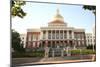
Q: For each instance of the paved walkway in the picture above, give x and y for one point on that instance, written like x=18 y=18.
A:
x=56 y=62
x=41 y=62
x=51 y=60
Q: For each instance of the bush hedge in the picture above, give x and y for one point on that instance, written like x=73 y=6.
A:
x=83 y=51
x=41 y=53
x=28 y=54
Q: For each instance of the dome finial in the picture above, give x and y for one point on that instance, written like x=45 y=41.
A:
x=58 y=16
x=57 y=11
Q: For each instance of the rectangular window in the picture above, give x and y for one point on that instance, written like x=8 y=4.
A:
x=49 y=35
x=83 y=42
x=44 y=35
x=33 y=38
x=75 y=36
x=65 y=35
x=61 y=35
x=53 y=36
x=78 y=36
x=57 y=35
x=70 y=36
x=29 y=38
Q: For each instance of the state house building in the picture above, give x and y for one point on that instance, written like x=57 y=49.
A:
x=56 y=35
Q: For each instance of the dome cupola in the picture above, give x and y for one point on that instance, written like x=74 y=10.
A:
x=58 y=16
x=58 y=20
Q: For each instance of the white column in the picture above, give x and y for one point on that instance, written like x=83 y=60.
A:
x=46 y=34
x=41 y=36
x=63 y=34
x=55 y=34
x=67 y=34
x=59 y=34
x=51 y=34
x=72 y=35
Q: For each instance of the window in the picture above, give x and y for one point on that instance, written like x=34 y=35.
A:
x=44 y=34
x=88 y=40
x=83 y=37
x=70 y=31
x=61 y=35
x=49 y=35
x=33 y=37
x=57 y=35
x=29 y=38
x=88 y=36
x=83 y=42
x=53 y=35
x=75 y=36
x=43 y=37
x=65 y=35
x=91 y=40
x=94 y=40
x=22 y=37
x=70 y=37
x=78 y=36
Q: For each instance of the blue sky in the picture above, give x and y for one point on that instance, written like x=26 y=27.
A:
x=40 y=14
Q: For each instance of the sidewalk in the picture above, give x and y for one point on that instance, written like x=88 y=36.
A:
x=56 y=62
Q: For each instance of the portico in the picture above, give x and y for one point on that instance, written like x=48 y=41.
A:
x=56 y=35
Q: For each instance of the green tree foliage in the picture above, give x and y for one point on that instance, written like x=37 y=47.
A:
x=16 y=42
x=91 y=8
x=16 y=8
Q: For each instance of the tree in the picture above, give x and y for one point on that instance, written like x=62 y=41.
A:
x=16 y=9
x=91 y=8
x=16 y=42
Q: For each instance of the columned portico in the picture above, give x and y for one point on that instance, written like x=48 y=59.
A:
x=56 y=35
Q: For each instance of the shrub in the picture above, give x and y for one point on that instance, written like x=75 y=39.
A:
x=83 y=51
x=88 y=52
x=28 y=54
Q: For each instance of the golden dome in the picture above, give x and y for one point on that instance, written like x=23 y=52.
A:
x=58 y=20
x=58 y=16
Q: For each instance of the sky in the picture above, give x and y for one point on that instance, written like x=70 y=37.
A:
x=40 y=14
